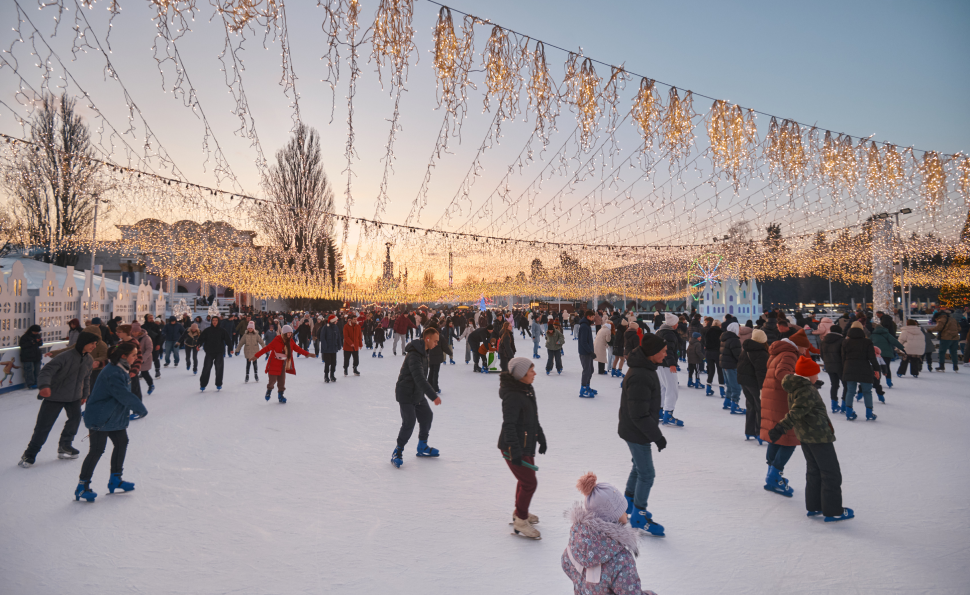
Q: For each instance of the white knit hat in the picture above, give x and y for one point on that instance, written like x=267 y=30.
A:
x=286 y=329
x=671 y=319
x=519 y=367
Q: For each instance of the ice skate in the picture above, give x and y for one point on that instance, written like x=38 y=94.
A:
x=850 y=414
x=533 y=519
x=281 y=398
x=25 y=462
x=847 y=513
x=670 y=420
x=247 y=378
x=396 y=457
x=835 y=406
x=721 y=388
x=426 y=451
x=870 y=416
x=710 y=391
x=269 y=393
x=84 y=491
x=67 y=452
x=523 y=528
x=116 y=483
x=774 y=482
x=736 y=410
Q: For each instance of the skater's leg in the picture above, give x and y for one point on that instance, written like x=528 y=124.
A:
x=525 y=488
x=915 y=365
x=643 y=463
x=830 y=476
x=550 y=359
x=558 y=355
x=73 y=411
x=813 y=481
x=46 y=416
x=733 y=388
x=408 y=416
x=587 y=361
x=119 y=438
x=206 y=370
x=136 y=387
x=778 y=455
x=954 y=358
x=219 y=364
x=711 y=367
x=425 y=416
x=97 y=441
x=752 y=402
x=346 y=361
x=834 y=386
x=468 y=353
x=866 y=389
x=668 y=388
x=356 y=355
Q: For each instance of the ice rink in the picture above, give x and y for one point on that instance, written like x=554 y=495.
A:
x=237 y=495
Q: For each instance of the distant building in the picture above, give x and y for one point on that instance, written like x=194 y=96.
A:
x=741 y=299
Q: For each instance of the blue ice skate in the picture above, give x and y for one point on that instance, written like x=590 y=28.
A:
x=847 y=513
x=84 y=491
x=426 y=451
x=721 y=388
x=116 y=483
x=396 y=457
x=710 y=391
x=669 y=420
x=774 y=482
x=736 y=410
x=850 y=414
x=870 y=416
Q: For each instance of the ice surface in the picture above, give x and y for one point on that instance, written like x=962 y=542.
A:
x=237 y=495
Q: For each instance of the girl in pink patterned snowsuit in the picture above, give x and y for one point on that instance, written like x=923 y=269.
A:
x=602 y=545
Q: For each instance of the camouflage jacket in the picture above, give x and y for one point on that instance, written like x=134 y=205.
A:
x=806 y=412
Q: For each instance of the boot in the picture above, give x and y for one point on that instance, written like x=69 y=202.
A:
x=374 y=355
x=736 y=410
x=533 y=519
x=690 y=383
x=726 y=404
x=67 y=452
x=669 y=420
x=835 y=406
x=115 y=483
x=426 y=451
x=84 y=491
x=524 y=528
x=870 y=416
x=710 y=391
x=269 y=393
x=255 y=376
x=247 y=378
x=850 y=414
x=584 y=393
x=775 y=483
x=721 y=388
x=847 y=513
x=396 y=457
x=281 y=397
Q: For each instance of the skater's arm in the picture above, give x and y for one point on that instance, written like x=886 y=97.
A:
x=121 y=392
x=801 y=405
x=420 y=378
x=298 y=349
x=263 y=350
x=48 y=372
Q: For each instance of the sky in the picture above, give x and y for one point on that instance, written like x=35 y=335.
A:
x=894 y=70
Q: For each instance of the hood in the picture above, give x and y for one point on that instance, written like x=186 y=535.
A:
x=879 y=330
x=727 y=336
x=639 y=359
x=750 y=346
x=418 y=346
x=734 y=328
x=826 y=320
x=596 y=541
x=793 y=382
x=507 y=384
x=833 y=338
x=93 y=329
x=781 y=346
x=667 y=327
x=856 y=333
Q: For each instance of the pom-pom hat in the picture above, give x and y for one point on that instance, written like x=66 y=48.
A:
x=806 y=367
x=602 y=499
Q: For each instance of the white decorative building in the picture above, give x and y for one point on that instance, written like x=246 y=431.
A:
x=729 y=296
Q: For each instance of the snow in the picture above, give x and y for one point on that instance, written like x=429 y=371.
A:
x=237 y=495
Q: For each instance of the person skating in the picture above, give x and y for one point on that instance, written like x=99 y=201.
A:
x=147 y=349
x=948 y=332
x=712 y=354
x=506 y=346
x=668 y=372
x=601 y=344
x=808 y=418
x=436 y=357
x=885 y=340
x=190 y=341
x=587 y=351
x=64 y=382
x=475 y=340
x=171 y=334
x=353 y=343
x=640 y=406
x=831 y=347
x=695 y=358
x=752 y=370
x=520 y=434
x=410 y=391
x=280 y=362
x=330 y=343
x=860 y=370
x=554 y=344
x=250 y=343
x=379 y=333
x=402 y=326
x=913 y=347
x=729 y=355
x=215 y=340
x=30 y=355
x=535 y=330
x=600 y=556
x=106 y=417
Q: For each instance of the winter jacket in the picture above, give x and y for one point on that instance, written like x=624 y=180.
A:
x=913 y=341
x=831 y=348
x=506 y=346
x=145 y=345
x=154 y=331
x=712 y=342
x=782 y=356
x=402 y=323
x=520 y=418
x=928 y=336
x=730 y=350
x=807 y=413
x=111 y=401
x=823 y=327
x=586 y=346
x=555 y=339
x=753 y=364
x=858 y=358
x=100 y=353
x=215 y=340
x=744 y=333
x=600 y=555
x=249 y=344
x=477 y=337
x=670 y=336
x=438 y=353
x=631 y=339
x=771 y=330
x=412 y=382
x=640 y=401
x=885 y=341
x=330 y=339
x=278 y=361
x=136 y=367
x=190 y=339
x=695 y=352
x=68 y=376
x=947 y=328
x=30 y=345
x=603 y=338
x=172 y=331
x=353 y=337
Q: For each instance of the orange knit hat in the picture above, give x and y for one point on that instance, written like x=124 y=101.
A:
x=806 y=367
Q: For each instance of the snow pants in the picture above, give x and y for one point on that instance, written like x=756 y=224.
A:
x=752 y=402
x=915 y=364
x=526 y=486
x=587 y=361
x=642 y=474
x=668 y=388
x=823 y=479
x=99 y=440
x=49 y=410
x=409 y=413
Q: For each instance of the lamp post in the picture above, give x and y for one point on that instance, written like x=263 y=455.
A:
x=885 y=244
x=94 y=247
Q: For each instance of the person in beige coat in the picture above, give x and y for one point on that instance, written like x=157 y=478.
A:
x=250 y=343
x=914 y=342
x=601 y=344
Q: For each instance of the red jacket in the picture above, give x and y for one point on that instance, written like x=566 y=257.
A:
x=274 y=366
x=402 y=323
x=782 y=356
x=353 y=337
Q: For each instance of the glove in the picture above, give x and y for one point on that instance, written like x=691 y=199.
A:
x=661 y=443
x=542 y=447
x=775 y=433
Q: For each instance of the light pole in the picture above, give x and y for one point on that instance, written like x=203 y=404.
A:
x=94 y=240
x=902 y=270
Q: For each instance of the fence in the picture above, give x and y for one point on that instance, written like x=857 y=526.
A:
x=16 y=307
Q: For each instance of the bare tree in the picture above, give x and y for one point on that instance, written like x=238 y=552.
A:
x=298 y=216
x=54 y=183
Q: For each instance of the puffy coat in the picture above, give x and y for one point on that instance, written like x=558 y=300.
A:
x=882 y=338
x=477 y=337
x=249 y=344
x=520 y=418
x=928 y=336
x=670 y=336
x=771 y=330
x=402 y=323
x=695 y=351
x=68 y=376
x=640 y=401
x=823 y=327
x=172 y=331
x=913 y=341
x=631 y=339
x=555 y=339
x=506 y=345
x=412 y=382
x=753 y=364
x=603 y=338
x=730 y=350
x=858 y=358
x=831 y=349
x=947 y=328
x=215 y=340
x=330 y=339
x=145 y=344
x=807 y=414
x=598 y=545
x=586 y=346
x=353 y=337
x=278 y=361
x=190 y=338
x=782 y=356
x=111 y=400
x=712 y=342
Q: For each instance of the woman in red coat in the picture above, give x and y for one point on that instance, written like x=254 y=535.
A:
x=280 y=363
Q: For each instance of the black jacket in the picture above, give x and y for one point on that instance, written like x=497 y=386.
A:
x=215 y=340
x=831 y=348
x=771 y=330
x=730 y=350
x=477 y=337
x=640 y=401
x=712 y=342
x=506 y=346
x=412 y=382
x=30 y=345
x=753 y=364
x=858 y=358
x=670 y=336
x=520 y=418
x=631 y=340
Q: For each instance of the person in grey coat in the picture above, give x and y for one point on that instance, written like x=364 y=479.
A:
x=64 y=382
x=410 y=391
